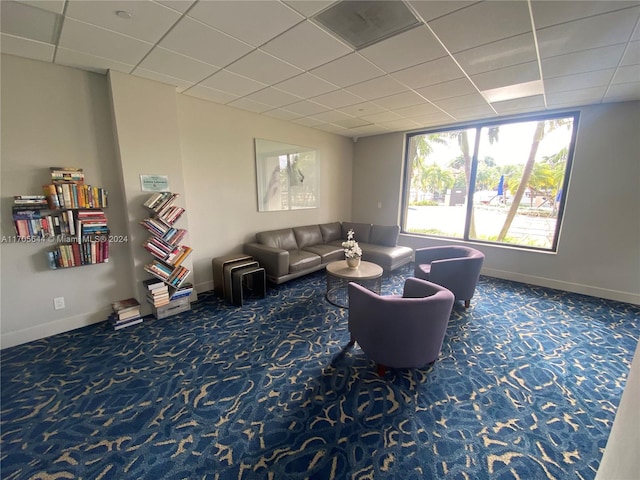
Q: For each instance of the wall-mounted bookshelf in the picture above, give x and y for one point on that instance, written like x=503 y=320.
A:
x=69 y=214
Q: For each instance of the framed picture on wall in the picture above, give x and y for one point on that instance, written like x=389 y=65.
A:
x=287 y=176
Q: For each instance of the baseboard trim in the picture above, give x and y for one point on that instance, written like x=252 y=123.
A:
x=626 y=297
x=11 y=339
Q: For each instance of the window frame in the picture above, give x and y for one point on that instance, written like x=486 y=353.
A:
x=478 y=126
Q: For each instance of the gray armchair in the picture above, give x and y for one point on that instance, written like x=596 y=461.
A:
x=400 y=331
x=456 y=268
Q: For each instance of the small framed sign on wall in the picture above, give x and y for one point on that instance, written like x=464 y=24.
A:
x=154 y=183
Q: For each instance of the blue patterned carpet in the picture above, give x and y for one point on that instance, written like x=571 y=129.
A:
x=527 y=386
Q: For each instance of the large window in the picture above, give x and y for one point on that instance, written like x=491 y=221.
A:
x=499 y=182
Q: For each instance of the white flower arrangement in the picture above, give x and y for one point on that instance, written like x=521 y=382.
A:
x=351 y=247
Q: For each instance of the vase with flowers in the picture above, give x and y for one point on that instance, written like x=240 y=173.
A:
x=352 y=251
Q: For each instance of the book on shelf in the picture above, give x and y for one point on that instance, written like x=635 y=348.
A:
x=183 y=291
x=74 y=195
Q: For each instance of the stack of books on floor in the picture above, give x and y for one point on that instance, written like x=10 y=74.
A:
x=125 y=313
x=157 y=292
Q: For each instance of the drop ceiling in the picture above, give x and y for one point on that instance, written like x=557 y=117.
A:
x=462 y=61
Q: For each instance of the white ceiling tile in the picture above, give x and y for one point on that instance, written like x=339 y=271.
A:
x=149 y=21
x=274 y=97
x=429 y=73
x=362 y=109
x=348 y=70
x=55 y=6
x=22 y=20
x=623 y=92
x=250 y=105
x=306 y=46
x=526 y=72
x=627 y=74
x=309 y=7
x=482 y=23
x=175 y=65
x=535 y=102
x=178 y=5
x=377 y=88
x=457 y=103
x=99 y=42
x=410 y=48
x=232 y=83
x=432 y=9
x=418 y=110
x=593 y=32
x=330 y=116
x=282 y=114
x=306 y=107
x=72 y=58
x=254 y=22
x=500 y=54
x=352 y=123
x=306 y=85
x=382 y=117
x=598 y=78
x=404 y=124
x=584 y=61
x=195 y=39
x=331 y=128
x=453 y=88
x=439 y=118
x=547 y=13
x=400 y=100
x=264 y=68
x=180 y=84
x=210 y=94
x=576 y=97
x=308 y=121
x=337 y=99
x=368 y=130
x=23 y=47
x=632 y=55
x=469 y=113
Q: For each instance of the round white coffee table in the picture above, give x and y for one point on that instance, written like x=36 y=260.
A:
x=368 y=274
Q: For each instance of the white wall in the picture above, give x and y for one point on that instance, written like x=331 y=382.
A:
x=55 y=116
x=599 y=247
x=219 y=171
x=117 y=129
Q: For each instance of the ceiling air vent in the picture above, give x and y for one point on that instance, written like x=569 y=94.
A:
x=363 y=23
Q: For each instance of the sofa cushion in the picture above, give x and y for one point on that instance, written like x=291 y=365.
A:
x=385 y=256
x=284 y=239
x=301 y=260
x=384 y=235
x=307 y=235
x=331 y=232
x=328 y=253
x=361 y=231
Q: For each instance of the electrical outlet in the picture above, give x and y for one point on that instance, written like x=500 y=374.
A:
x=58 y=303
x=379 y=204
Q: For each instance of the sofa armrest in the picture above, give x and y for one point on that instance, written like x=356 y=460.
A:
x=275 y=261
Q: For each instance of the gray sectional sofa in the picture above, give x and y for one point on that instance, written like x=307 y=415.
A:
x=290 y=253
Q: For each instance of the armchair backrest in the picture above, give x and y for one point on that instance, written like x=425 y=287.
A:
x=455 y=267
x=401 y=332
